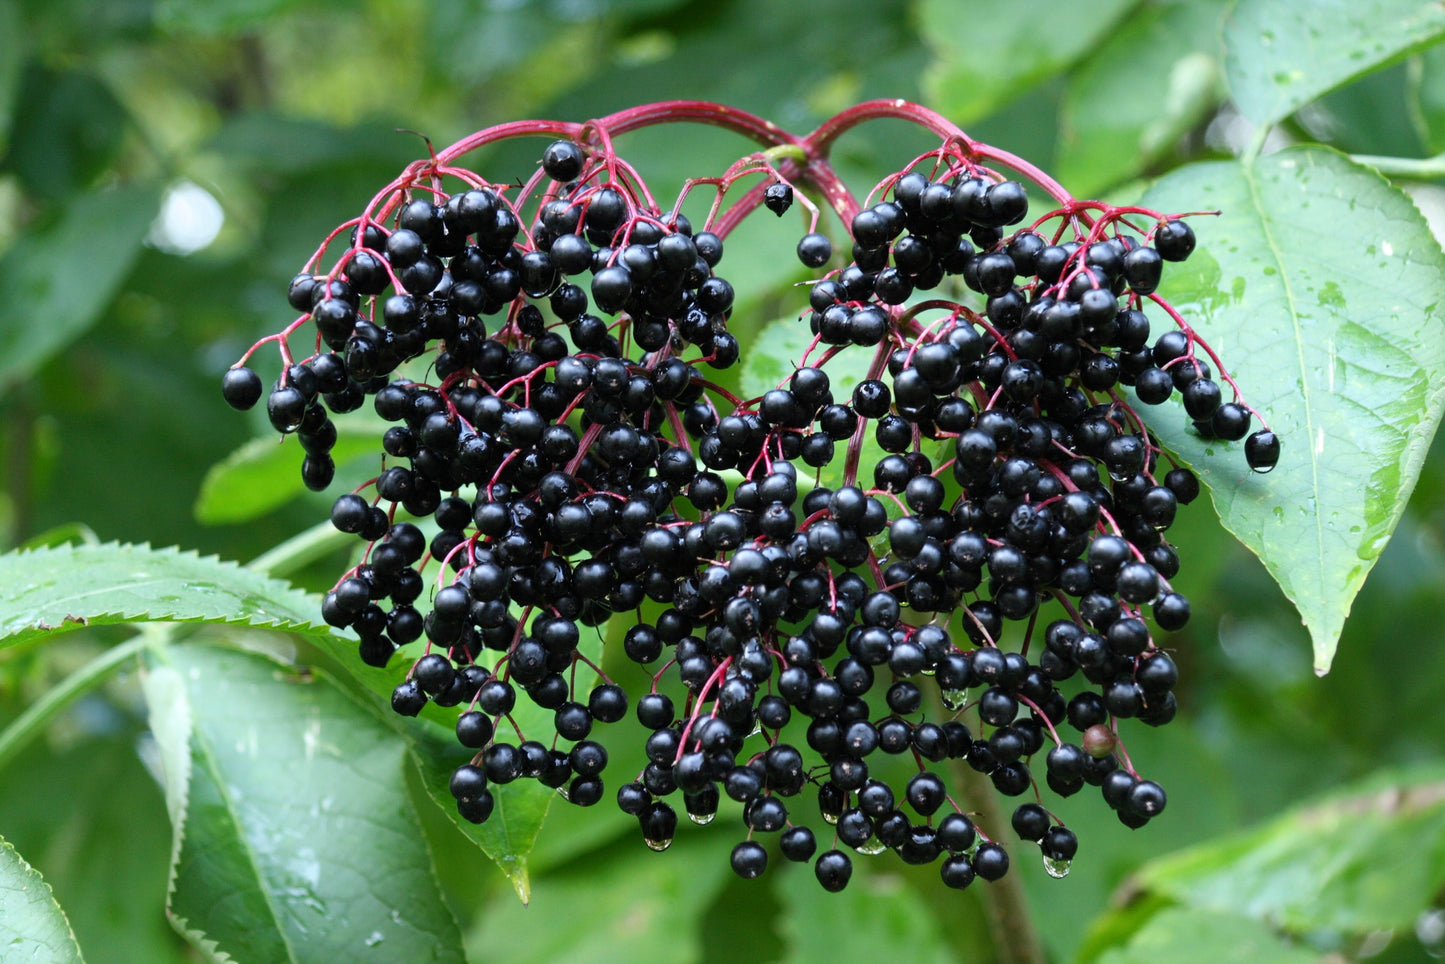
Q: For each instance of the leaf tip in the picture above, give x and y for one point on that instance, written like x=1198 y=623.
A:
x=521 y=881
x=1325 y=653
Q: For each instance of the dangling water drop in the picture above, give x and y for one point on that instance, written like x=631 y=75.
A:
x=701 y=819
x=953 y=699
x=871 y=846
x=1056 y=869
x=830 y=817
x=657 y=845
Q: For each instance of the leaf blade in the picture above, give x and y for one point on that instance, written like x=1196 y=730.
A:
x=59 y=588
x=1167 y=57
x=511 y=832
x=1200 y=937
x=264 y=474
x=984 y=61
x=1366 y=858
x=295 y=840
x=33 y=928
x=1346 y=359
x=47 y=308
x=1280 y=55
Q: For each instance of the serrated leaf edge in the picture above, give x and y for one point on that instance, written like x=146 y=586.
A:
x=515 y=866
x=197 y=936
x=49 y=893
x=71 y=621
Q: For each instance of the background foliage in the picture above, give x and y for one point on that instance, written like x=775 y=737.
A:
x=1307 y=815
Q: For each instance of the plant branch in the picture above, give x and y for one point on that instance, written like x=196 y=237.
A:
x=39 y=714
x=1010 y=925
x=1420 y=168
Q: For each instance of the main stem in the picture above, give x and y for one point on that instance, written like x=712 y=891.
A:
x=1010 y=925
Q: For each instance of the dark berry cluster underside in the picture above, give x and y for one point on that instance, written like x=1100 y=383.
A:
x=987 y=595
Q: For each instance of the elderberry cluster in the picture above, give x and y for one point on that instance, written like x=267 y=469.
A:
x=820 y=650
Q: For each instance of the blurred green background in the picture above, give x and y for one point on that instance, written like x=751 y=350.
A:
x=167 y=165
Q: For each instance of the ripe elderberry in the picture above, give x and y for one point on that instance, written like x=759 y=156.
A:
x=542 y=345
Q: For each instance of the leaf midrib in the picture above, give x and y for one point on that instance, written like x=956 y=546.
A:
x=1275 y=252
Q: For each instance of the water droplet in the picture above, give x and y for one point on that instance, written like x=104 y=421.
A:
x=1056 y=869
x=374 y=939
x=658 y=845
x=830 y=817
x=701 y=819
x=757 y=728
x=871 y=846
x=953 y=699
x=564 y=794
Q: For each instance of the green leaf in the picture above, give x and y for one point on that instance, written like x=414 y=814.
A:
x=1376 y=114
x=774 y=355
x=602 y=909
x=33 y=928
x=47 y=303
x=77 y=533
x=217 y=16
x=265 y=474
x=1150 y=82
x=1337 y=337
x=1280 y=54
x=66 y=587
x=117 y=915
x=771 y=361
x=12 y=59
x=295 y=840
x=511 y=831
x=1206 y=937
x=517 y=815
x=1369 y=858
x=869 y=921
x=987 y=58
x=1427 y=99
x=38 y=715
x=66 y=130
x=262 y=143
